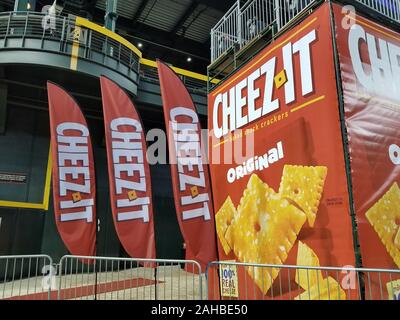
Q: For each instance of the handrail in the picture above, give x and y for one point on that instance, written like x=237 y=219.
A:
x=93 y=26
x=91 y=40
x=243 y=23
x=77 y=37
x=183 y=72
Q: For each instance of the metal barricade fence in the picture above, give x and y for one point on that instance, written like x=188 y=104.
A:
x=249 y=281
x=26 y=277
x=105 y=278
x=34 y=277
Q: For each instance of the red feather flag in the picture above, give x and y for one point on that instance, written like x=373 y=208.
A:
x=190 y=177
x=74 y=188
x=129 y=172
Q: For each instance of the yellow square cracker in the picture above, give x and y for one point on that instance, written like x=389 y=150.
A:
x=304 y=186
x=194 y=191
x=328 y=289
x=397 y=238
x=264 y=230
x=223 y=220
x=280 y=79
x=307 y=257
x=76 y=196
x=132 y=195
x=229 y=235
x=384 y=216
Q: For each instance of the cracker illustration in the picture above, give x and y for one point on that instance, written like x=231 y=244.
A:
x=328 y=289
x=280 y=79
x=223 y=220
x=304 y=186
x=194 y=191
x=264 y=230
x=132 y=195
x=393 y=288
x=76 y=196
x=307 y=257
x=384 y=216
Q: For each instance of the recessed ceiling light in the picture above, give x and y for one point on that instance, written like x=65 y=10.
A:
x=189 y=59
x=140 y=44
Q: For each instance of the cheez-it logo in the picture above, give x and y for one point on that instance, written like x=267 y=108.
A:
x=246 y=94
x=186 y=134
x=74 y=173
x=129 y=170
x=376 y=63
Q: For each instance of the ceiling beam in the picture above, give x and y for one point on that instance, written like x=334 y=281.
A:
x=89 y=6
x=179 y=24
x=219 y=5
x=159 y=43
x=155 y=35
x=139 y=10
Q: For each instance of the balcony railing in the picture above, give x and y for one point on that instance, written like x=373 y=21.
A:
x=33 y=30
x=388 y=8
x=243 y=23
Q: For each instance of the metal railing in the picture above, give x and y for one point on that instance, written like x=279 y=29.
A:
x=388 y=8
x=105 y=278
x=150 y=73
x=243 y=23
x=35 y=277
x=26 y=30
x=255 y=17
x=225 y=34
x=26 y=277
x=248 y=281
x=29 y=30
x=287 y=10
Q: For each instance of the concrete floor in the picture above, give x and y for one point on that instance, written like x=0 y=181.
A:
x=173 y=283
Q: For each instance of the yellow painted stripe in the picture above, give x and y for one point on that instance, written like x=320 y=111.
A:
x=24 y=205
x=220 y=143
x=219 y=89
x=75 y=51
x=369 y=25
x=180 y=71
x=307 y=103
x=148 y=62
x=46 y=193
x=93 y=26
x=215 y=81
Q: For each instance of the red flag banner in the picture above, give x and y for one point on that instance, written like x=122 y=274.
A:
x=370 y=72
x=74 y=186
x=190 y=177
x=129 y=172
